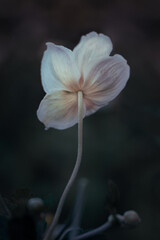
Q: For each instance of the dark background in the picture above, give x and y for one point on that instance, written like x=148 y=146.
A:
x=121 y=141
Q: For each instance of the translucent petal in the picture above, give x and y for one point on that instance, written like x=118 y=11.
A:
x=104 y=81
x=90 y=47
x=58 y=69
x=59 y=110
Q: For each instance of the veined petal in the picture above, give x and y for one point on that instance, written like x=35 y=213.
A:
x=59 y=110
x=90 y=47
x=104 y=81
x=58 y=69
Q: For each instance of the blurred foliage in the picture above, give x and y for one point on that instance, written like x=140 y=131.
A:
x=113 y=196
x=121 y=141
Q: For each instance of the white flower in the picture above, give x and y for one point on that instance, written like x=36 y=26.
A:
x=88 y=68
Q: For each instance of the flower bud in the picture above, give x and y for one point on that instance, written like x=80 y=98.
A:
x=131 y=218
x=35 y=205
x=128 y=219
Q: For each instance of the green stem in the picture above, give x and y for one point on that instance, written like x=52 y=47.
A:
x=75 y=170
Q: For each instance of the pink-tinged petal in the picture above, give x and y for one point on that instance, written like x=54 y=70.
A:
x=59 y=110
x=90 y=47
x=104 y=81
x=58 y=69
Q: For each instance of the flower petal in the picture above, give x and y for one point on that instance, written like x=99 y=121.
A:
x=104 y=81
x=59 y=110
x=92 y=46
x=58 y=70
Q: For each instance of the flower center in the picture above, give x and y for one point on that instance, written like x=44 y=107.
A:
x=81 y=81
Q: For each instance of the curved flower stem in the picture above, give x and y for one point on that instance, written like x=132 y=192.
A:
x=97 y=230
x=75 y=170
x=77 y=211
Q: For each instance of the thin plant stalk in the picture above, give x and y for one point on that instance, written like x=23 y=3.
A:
x=75 y=170
x=77 y=213
x=97 y=230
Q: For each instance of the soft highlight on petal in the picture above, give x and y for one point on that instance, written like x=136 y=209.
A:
x=59 y=110
x=105 y=80
x=90 y=47
x=58 y=69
